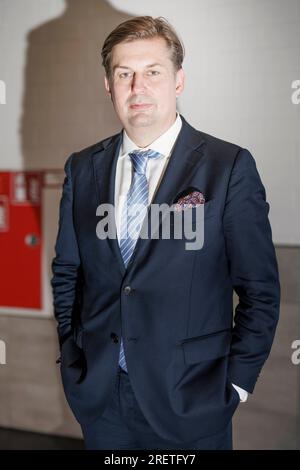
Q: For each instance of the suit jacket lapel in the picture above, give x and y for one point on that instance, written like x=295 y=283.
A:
x=105 y=165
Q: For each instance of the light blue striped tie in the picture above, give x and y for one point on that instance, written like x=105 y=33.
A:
x=134 y=211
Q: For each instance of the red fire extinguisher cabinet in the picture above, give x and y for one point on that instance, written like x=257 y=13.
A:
x=29 y=202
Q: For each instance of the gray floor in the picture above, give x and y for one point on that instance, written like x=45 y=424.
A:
x=11 y=439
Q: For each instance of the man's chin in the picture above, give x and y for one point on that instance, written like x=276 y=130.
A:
x=141 y=120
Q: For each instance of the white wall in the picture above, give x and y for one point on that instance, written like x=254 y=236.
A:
x=241 y=59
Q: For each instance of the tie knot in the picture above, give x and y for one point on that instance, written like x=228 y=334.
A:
x=140 y=158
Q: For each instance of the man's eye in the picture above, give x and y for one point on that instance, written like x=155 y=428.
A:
x=153 y=72
x=124 y=75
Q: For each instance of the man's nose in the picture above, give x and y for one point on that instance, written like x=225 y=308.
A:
x=138 y=82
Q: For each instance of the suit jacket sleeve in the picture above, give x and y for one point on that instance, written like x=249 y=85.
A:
x=66 y=263
x=253 y=270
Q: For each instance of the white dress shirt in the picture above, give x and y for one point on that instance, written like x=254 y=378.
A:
x=155 y=169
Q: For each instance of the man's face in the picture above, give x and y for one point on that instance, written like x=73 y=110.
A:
x=144 y=84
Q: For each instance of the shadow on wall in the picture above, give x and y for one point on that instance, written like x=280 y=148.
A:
x=65 y=106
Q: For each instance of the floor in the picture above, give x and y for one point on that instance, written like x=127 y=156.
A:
x=23 y=440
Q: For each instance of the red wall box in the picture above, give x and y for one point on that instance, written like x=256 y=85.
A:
x=29 y=202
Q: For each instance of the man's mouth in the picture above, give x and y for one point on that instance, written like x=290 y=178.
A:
x=141 y=106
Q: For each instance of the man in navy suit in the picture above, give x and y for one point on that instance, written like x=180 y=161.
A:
x=152 y=356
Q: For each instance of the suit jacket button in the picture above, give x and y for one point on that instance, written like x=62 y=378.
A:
x=114 y=337
x=127 y=290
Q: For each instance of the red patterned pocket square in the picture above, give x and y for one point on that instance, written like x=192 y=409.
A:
x=192 y=199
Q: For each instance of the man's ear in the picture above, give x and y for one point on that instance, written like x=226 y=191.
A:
x=180 y=78
x=106 y=84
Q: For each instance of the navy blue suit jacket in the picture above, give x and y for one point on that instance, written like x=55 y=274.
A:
x=183 y=349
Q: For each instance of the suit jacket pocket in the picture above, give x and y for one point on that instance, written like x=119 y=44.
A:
x=73 y=363
x=70 y=352
x=206 y=347
x=77 y=336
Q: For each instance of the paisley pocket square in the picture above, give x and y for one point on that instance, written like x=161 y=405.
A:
x=192 y=199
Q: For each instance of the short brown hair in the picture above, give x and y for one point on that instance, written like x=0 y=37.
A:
x=143 y=27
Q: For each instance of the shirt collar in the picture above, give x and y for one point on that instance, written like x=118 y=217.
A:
x=163 y=144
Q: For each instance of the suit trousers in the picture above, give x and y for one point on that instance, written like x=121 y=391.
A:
x=123 y=426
